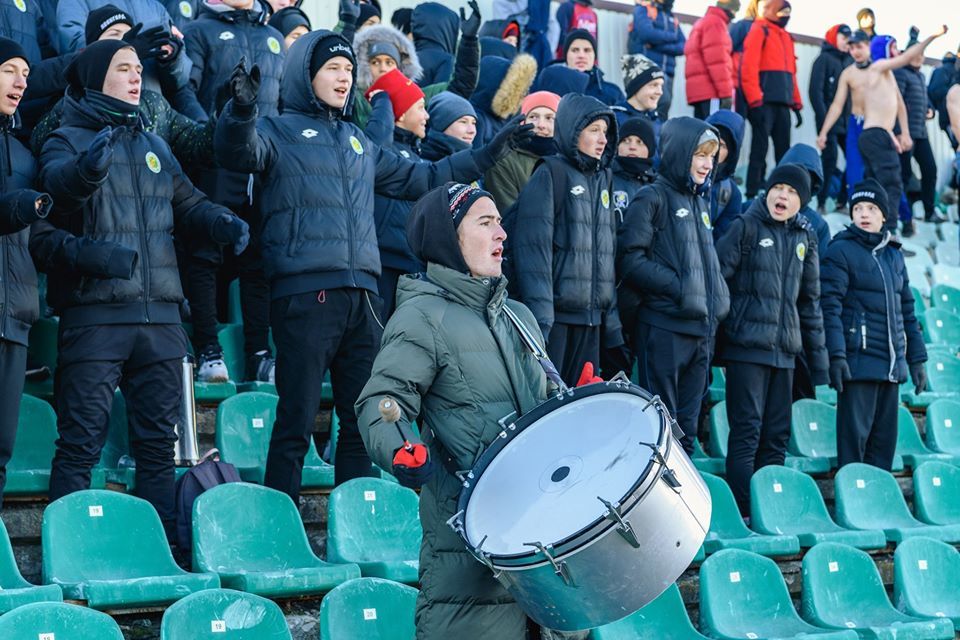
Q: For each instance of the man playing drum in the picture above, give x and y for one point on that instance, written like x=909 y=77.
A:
x=451 y=358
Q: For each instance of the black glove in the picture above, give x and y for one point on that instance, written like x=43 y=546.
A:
x=349 y=11
x=176 y=46
x=95 y=162
x=512 y=135
x=229 y=229
x=147 y=43
x=244 y=85
x=799 y=119
x=839 y=373
x=470 y=27
x=918 y=374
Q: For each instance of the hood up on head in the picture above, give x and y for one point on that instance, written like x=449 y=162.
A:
x=409 y=63
x=561 y=80
x=730 y=125
x=434 y=25
x=808 y=158
x=296 y=88
x=504 y=84
x=574 y=114
x=679 y=138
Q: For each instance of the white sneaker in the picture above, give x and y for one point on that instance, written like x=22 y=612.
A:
x=212 y=368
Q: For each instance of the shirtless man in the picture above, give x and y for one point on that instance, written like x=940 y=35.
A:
x=953 y=111
x=876 y=106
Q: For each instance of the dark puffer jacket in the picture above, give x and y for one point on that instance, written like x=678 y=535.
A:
x=868 y=309
x=824 y=80
x=807 y=157
x=391 y=214
x=137 y=204
x=25 y=26
x=665 y=251
x=319 y=174
x=564 y=234
x=774 y=276
x=913 y=88
x=726 y=199
x=435 y=29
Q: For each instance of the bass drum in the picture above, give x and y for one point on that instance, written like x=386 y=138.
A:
x=586 y=508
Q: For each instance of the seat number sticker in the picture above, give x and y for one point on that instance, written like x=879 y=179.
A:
x=777 y=487
x=257 y=423
x=218 y=626
x=813 y=426
x=369 y=614
x=47 y=636
x=734 y=576
x=922 y=565
x=861 y=484
x=833 y=567
x=370 y=496
x=936 y=481
x=96 y=511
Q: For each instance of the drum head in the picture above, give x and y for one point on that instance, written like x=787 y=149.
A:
x=543 y=485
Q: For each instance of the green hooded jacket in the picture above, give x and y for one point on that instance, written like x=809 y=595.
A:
x=453 y=361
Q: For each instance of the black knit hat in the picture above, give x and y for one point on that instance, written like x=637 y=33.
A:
x=288 y=19
x=11 y=49
x=89 y=69
x=869 y=190
x=578 y=34
x=330 y=47
x=445 y=108
x=401 y=19
x=432 y=225
x=638 y=70
x=643 y=129
x=795 y=176
x=367 y=11
x=102 y=18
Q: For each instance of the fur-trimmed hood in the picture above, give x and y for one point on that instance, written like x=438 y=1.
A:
x=364 y=39
x=504 y=84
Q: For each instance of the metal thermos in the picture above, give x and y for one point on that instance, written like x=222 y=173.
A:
x=187 y=452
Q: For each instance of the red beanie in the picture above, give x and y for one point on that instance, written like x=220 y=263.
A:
x=402 y=91
x=834 y=30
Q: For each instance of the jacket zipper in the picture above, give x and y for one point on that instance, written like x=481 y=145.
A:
x=144 y=258
x=785 y=257
x=594 y=294
x=886 y=303
x=343 y=179
x=5 y=312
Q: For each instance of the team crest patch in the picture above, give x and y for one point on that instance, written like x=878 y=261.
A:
x=706 y=219
x=357 y=147
x=682 y=213
x=620 y=199
x=226 y=35
x=273 y=44
x=801 y=251
x=578 y=190
x=405 y=153
x=186 y=10
x=309 y=133
x=766 y=243
x=605 y=199
x=153 y=162
x=21 y=5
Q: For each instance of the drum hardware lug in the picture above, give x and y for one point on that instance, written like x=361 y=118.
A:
x=620 y=380
x=560 y=568
x=624 y=528
x=676 y=429
x=655 y=401
x=503 y=422
x=668 y=474
x=456 y=522
x=464 y=477
x=485 y=558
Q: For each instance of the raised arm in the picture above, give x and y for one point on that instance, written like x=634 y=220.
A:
x=910 y=55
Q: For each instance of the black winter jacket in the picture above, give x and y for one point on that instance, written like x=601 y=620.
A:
x=435 y=30
x=665 y=251
x=138 y=203
x=913 y=88
x=774 y=276
x=824 y=79
x=868 y=309
x=564 y=236
x=391 y=213
x=318 y=174
x=26 y=26
x=629 y=176
x=942 y=78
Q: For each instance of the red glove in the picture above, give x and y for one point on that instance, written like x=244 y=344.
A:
x=587 y=377
x=412 y=457
x=412 y=466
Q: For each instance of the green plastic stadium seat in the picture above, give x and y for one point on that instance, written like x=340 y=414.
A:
x=234 y=313
x=743 y=595
x=703 y=462
x=223 y=614
x=917 y=271
x=945 y=274
x=945 y=297
x=943 y=427
x=375 y=524
x=727 y=530
x=942 y=326
x=57 y=621
x=718 y=385
x=910 y=446
x=827 y=395
x=786 y=501
x=842 y=589
x=925 y=579
x=244 y=425
x=43 y=350
x=936 y=493
x=334 y=434
x=813 y=433
x=369 y=609
x=109 y=549
x=719 y=430
x=663 y=619
x=115 y=464
x=14 y=590
x=920 y=305
x=870 y=498
x=943 y=374
x=254 y=539
x=28 y=471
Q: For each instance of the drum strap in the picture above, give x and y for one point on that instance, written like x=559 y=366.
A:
x=530 y=342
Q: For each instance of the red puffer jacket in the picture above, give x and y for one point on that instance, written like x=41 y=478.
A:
x=768 y=72
x=709 y=52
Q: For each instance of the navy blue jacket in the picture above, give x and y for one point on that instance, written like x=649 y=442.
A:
x=726 y=199
x=391 y=213
x=656 y=33
x=824 y=80
x=606 y=92
x=942 y=78
x=913 y=88
x=868 y=308
x=435 y=29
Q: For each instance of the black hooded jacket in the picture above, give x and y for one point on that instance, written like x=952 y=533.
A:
x=824 y=79
x=774 y=276
x=143 y=197
x=563 y=241
x=665 y=251
x=913 y=88
x=319 y=173
x=435 y=29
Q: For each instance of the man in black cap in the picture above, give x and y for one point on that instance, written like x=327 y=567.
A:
x=862 y=269
x=292 y=23
x=113 y=181
x=318 y=173
x=769 y=260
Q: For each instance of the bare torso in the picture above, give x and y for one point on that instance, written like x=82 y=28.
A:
x=873 y=95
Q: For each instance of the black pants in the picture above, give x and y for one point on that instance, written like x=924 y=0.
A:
x=768 y=121
x=882 y=163
x=803 y=386
x=759 y=406
x=829 y=157
x=335 y=330
x=13 y=362
x=570 y=346
x=867 y=423
x=387 y=284
x=666 y=100
x=146 y=362
x=701 y=109
x=675 y=367
x=923 y=153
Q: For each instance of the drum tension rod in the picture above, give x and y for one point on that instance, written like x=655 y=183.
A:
x=624 y=528
x=668 y=475
x=456 y=522
x=485 y=558
x=560 y=568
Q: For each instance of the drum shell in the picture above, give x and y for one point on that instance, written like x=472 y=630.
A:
x=611 y=578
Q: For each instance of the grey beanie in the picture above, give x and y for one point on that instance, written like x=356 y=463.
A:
x=446 y=108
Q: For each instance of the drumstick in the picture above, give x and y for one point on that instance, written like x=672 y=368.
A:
x=390 y=412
